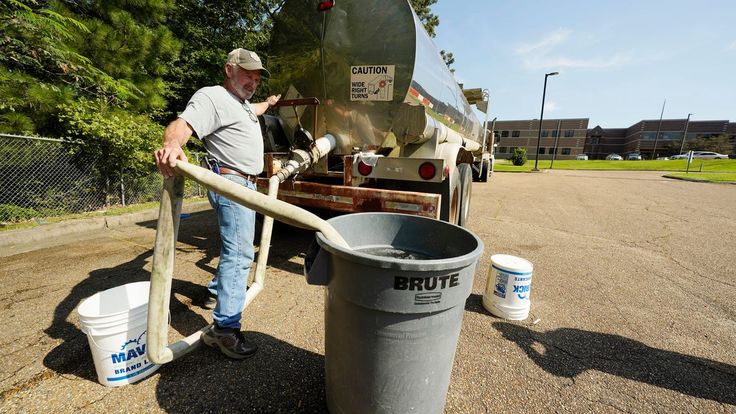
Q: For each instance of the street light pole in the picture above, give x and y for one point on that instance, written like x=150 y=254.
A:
x=656 y=137
x=684 y=134
x=554 y=148
x=541 y=118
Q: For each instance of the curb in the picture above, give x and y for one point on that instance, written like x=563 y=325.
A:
x=694 y=180
x=12 y=239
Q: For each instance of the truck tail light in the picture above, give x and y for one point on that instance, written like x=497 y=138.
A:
x=325 y=5
x=427 y=171
x=364 y=169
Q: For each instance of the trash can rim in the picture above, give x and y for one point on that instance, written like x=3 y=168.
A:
x=404 y=264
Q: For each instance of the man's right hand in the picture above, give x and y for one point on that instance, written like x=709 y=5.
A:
x=167 y=157
x=175 y=136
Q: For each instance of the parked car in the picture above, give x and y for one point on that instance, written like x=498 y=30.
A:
x=679 y=157
x=583 y=157
x=709 y=155
x=732 y=156
x=663 y=158
x=614 y=157
x=634 y=156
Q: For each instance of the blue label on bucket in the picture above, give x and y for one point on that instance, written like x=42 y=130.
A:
x=522 y=291
x=132 y=358
x=522 y=287
x=500 y=288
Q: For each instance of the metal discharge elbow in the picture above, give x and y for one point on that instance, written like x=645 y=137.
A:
x=301 y=160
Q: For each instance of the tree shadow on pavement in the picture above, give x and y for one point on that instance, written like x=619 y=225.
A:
x=568 y=352
x=200 y=230
x=73 y=355
x=280 y=378
x=286 y=242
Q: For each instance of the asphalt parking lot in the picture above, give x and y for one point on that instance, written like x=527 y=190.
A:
x=633 y=308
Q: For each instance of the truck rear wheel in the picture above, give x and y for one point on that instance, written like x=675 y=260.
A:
x=465 y=174
x=485 y=171
x=449 y=207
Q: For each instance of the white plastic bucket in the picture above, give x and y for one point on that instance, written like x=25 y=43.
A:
x=509 y=287
x=115 y=322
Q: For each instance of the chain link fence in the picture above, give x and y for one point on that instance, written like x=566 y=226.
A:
x=44 y=177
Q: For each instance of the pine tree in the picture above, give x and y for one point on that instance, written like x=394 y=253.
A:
x=211 y=31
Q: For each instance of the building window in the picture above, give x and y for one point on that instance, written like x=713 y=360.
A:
x=515 y=134
x=554 y=134
x=502 y=150
x=545 y=132
x=541 y=150
x=504 y=133
x=552 y=150
x=496 y=135
x=566 y=151
x=648 y=136
x=569 y=133
x=671 y=135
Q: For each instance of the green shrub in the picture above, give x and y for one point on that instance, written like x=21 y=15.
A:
x=518 y=158
x=13 y=213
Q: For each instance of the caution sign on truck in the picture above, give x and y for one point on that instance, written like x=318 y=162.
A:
x=372 y=83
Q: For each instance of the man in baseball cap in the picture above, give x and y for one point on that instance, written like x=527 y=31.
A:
x=227 y=123
x=248 y=60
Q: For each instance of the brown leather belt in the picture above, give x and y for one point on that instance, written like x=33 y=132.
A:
x=225 y=170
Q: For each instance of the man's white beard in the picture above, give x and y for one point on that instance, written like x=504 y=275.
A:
x=242 y=93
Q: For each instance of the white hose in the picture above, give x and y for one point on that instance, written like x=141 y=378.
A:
x=263 y=248
x=163 y=259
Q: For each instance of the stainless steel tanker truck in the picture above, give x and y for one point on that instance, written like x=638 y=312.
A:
x=371 y=118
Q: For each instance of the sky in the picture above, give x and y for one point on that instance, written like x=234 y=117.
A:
x=618 y=60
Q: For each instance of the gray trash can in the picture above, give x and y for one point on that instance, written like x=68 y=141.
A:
x=393 y=310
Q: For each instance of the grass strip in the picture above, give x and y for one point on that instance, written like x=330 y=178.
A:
x=724 y=166
x=113 y=211
x=705 y=176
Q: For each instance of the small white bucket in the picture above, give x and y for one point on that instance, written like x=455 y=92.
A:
x=509 y=287
x=115 y=322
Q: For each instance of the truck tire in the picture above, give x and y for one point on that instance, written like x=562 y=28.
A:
x=485 y=171
x=449 y=206
x=465 y=174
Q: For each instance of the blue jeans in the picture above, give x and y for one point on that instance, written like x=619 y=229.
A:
x=237 y=229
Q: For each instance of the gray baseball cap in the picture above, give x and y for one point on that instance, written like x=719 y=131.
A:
x=247 y=60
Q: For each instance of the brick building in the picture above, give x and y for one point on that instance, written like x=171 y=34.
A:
x=566 y=138
x=562 y=137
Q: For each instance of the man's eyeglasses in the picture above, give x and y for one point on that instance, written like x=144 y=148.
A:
x=251 y=114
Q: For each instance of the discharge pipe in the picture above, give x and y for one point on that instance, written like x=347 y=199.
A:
x=158 y=350
x=445 y=134
x=414 y=126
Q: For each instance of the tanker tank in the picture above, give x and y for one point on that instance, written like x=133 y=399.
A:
x=366 y=61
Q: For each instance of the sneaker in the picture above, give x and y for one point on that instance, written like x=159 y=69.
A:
x=230 y=341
